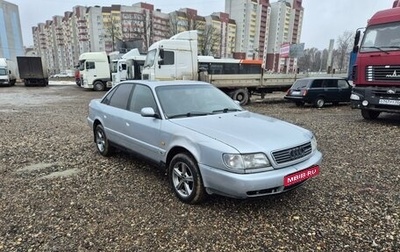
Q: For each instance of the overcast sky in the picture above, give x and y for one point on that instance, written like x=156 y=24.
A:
x=323 y=19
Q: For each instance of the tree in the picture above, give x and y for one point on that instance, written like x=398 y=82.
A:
x=209 y=40
x=113 y=31
x=344 y=45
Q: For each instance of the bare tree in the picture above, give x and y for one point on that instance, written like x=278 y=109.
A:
x=208 y=41
x=113 y=31
x=344 y=45
x=173 y=24
x=147 y=29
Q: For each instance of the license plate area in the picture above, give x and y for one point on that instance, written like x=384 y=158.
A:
x=389 y=102
x=300 y=176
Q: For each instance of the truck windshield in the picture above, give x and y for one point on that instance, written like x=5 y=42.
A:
x=384 y=38
x=150 y=58
x=3 y=71
x=81 y=66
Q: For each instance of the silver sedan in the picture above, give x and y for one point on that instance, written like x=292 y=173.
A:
x=206 y=142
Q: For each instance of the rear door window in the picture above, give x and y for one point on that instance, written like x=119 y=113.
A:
x=317 y=84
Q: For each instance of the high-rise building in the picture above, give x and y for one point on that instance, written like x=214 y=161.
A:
x=285 y=29
x=11 y=43
x=251 y=17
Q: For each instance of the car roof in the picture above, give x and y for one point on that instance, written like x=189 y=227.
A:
x=323 y=78
x=154 y=84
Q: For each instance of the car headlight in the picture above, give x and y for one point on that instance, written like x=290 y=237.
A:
x=243 y=162
x=355 y=97
x=314 y=144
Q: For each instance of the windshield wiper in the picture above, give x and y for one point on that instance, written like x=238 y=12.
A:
x=189 y=114
x=226 y=110
x=376 y=47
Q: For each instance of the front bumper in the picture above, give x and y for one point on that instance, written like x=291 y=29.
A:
x=252 y=185
x=383 y=99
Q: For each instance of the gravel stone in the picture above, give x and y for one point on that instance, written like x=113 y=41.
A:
x=122 y=203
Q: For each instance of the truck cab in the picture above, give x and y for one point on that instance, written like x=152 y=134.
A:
x=172 y=59
x=376 y=74
x=94 y=71
x=8 y=72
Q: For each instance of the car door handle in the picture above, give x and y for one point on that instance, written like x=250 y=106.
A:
x=127 y=124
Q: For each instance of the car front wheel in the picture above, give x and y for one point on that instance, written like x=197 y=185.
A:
x=369 y=114
x=185 y=179
x=102 y=143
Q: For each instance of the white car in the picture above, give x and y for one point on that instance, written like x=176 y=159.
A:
x=205 y=140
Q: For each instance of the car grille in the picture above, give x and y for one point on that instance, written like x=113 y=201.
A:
x=292 y=154
x=383 y=73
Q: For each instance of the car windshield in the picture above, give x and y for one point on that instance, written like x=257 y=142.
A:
x=194 y=100
x=299 y=84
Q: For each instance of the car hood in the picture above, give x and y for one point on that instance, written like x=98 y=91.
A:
x=248 y=132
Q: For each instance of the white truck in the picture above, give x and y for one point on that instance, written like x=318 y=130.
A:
x=129 y=67
x=94 y=71
x=8 y=72
x=177 y=59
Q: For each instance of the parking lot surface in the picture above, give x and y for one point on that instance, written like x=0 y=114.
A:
x=58 y=194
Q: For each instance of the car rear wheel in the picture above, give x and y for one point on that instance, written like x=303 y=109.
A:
x=369 y=114
x=299 y=104
x=185 y=179
x=99 y=86
x=319 y=102
x=102 y=143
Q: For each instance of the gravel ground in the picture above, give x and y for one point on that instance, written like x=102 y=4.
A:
x=58 y=194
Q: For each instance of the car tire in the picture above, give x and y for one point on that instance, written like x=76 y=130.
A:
x=99 y=86
x=102 y=144
x=299 y=104
x=319 y=102
x=185 y=179
x=369 y=114
x=241 y=95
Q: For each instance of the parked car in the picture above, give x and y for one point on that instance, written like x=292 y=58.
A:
x=206 y=142
x=319 y=91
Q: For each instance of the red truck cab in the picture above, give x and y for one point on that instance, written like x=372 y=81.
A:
x=376 y=74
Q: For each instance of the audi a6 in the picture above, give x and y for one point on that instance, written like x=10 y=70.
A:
x=207 y=142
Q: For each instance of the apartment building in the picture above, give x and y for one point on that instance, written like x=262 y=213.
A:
x=11 y=43
x=253 y=28
x=285 y=28
x=252 y=21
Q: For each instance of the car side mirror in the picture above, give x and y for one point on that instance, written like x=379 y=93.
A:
x=148 y=112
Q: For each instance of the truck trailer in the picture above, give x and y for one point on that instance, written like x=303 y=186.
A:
x=177 y=59
x=376 y=73
x=8 y=72
x=33 y=71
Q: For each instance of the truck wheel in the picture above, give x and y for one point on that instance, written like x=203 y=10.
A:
x=185 y=179
x=99 y=86
x=369 y=114
x=241 y=95
x=319 y=102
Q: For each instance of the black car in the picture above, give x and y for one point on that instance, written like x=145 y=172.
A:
x=319 y=90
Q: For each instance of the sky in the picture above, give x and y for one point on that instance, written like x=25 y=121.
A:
x=323 y=19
